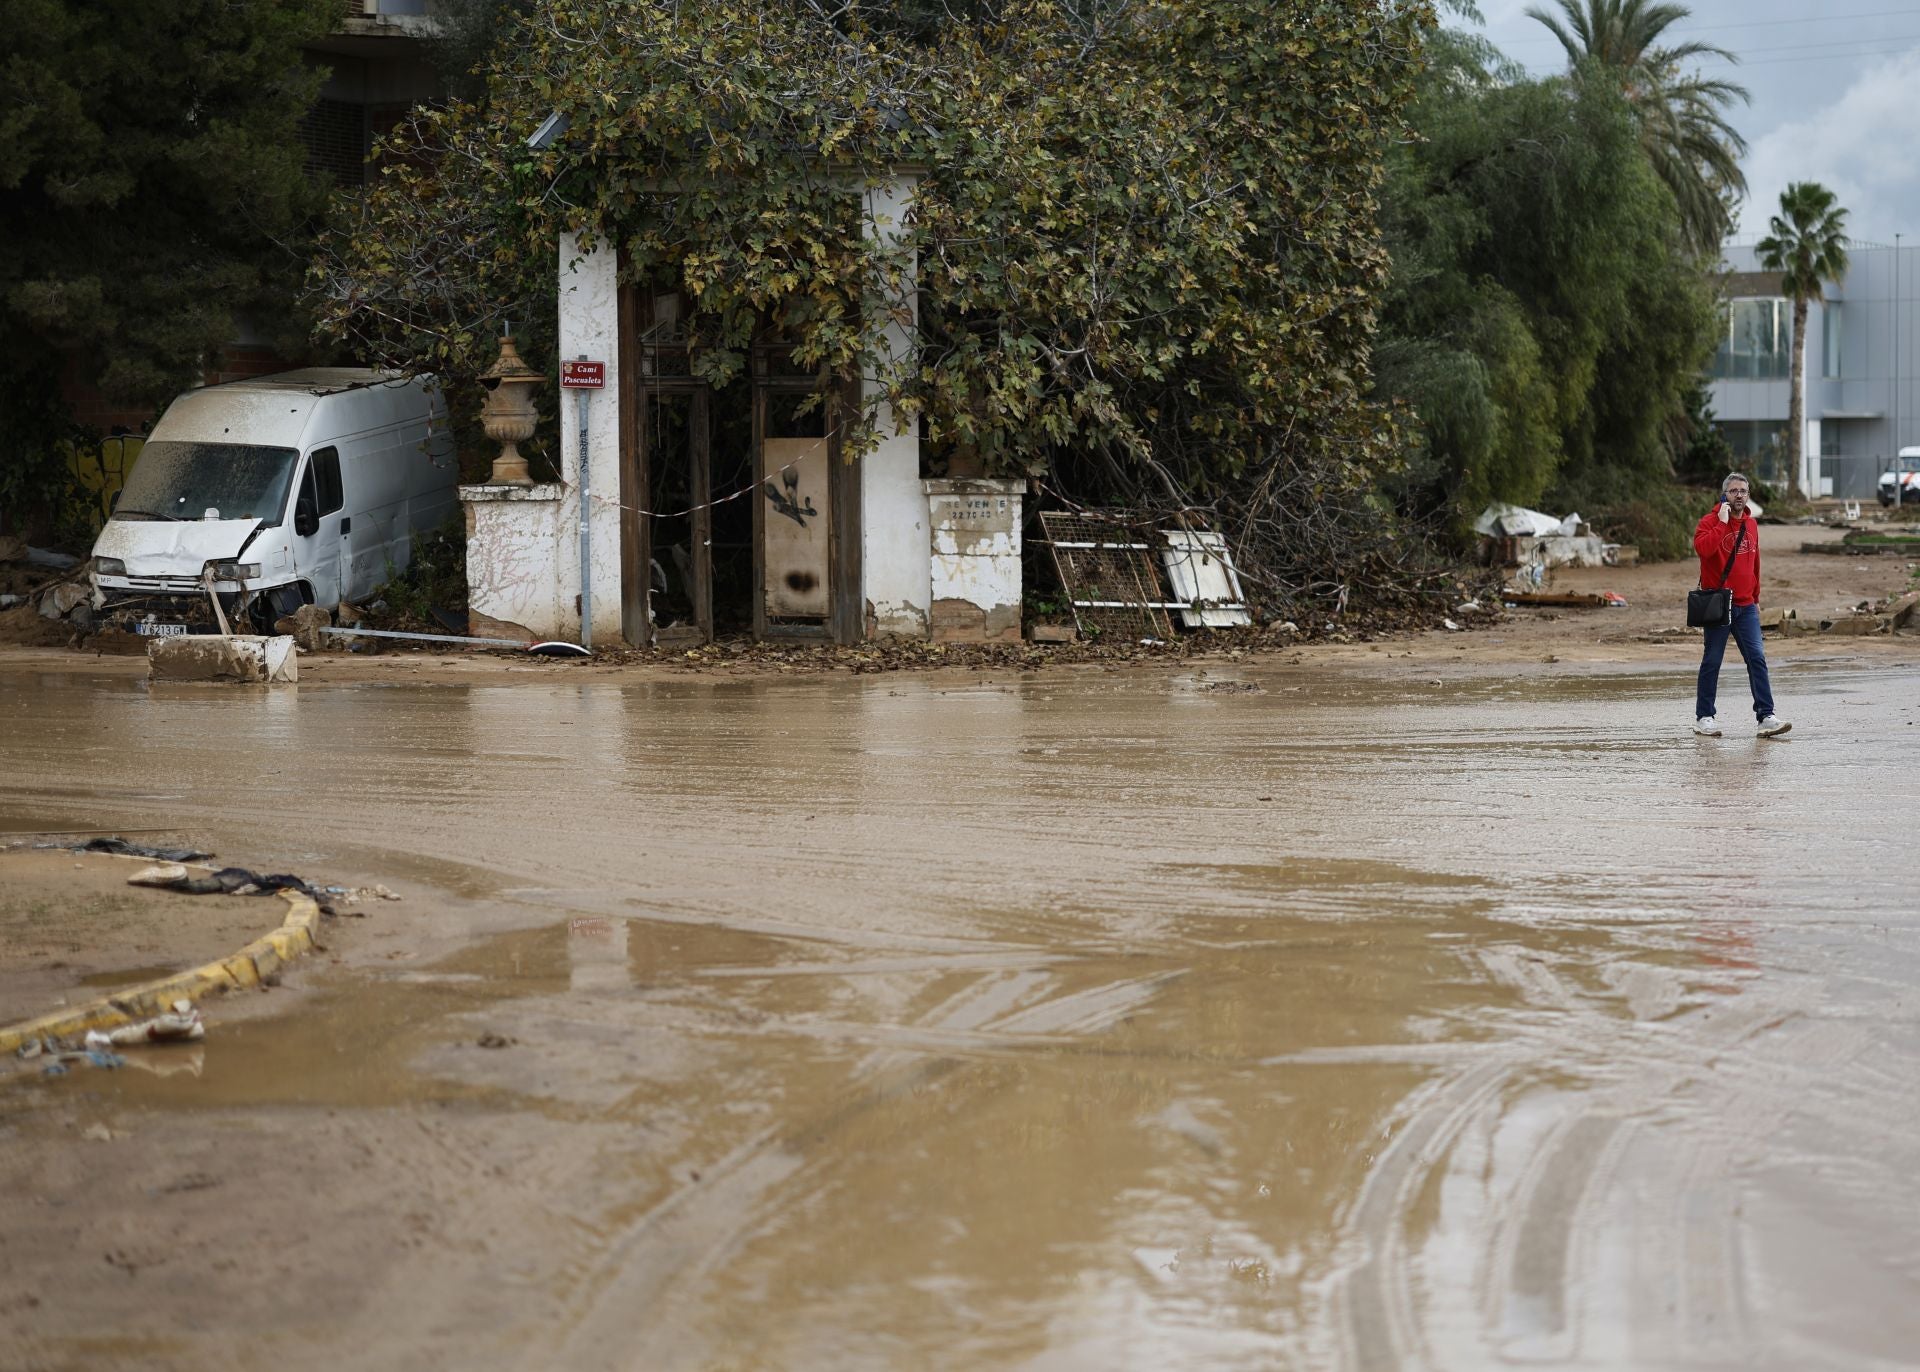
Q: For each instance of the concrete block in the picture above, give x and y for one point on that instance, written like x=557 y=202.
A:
x=210 y=657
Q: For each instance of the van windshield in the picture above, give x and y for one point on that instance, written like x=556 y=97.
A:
x=176 y=480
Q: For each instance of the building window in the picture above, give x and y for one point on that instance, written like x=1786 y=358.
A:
x=1830 y=339
x=1759 y=446
x=1757 y=344
x=334 y=134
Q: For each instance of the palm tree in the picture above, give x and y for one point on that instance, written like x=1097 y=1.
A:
x=1683 y=127
x=1807 y=245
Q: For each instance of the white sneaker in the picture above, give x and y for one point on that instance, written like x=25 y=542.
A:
x=1771 y=726
x=1708 y=726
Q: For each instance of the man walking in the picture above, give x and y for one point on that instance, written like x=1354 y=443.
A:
x=1728 y=541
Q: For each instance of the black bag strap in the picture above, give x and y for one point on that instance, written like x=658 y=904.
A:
x=1727 y=570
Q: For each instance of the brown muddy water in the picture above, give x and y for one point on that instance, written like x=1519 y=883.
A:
x=1092 y=1020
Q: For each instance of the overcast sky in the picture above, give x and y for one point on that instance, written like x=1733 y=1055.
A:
x=1836 y=97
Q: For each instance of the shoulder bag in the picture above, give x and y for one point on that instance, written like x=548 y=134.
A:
x=1714 y=609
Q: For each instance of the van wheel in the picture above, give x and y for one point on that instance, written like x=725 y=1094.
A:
x=274 y=604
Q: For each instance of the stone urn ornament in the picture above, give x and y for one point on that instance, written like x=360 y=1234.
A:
x=507 y=414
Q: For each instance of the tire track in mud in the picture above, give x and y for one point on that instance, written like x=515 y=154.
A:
x=690 y=1236
x=1638 y=1175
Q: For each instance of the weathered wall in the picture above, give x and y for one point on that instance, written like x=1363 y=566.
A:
x=513 y=544
x=894 y=544
x=975 y=581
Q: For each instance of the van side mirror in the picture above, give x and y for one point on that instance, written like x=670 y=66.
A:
x=305 y=521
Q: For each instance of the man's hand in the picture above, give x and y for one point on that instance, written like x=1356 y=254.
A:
x=1725 y=510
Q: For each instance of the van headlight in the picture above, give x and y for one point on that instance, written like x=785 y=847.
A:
x=109 y=566
x=233 y=571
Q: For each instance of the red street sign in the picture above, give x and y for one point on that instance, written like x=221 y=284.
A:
x=590 y=376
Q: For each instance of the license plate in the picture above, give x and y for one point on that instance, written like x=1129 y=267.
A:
x=153 y=630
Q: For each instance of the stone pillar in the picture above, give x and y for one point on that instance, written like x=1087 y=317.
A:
x=513 y=563
x=894 y=569
x=976 y=583
x=590 y=327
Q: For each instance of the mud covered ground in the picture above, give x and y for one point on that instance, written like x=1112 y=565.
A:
x=71 y=929
x=1330 y=1008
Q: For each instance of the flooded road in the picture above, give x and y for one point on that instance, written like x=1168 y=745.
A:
x=1084 y=1020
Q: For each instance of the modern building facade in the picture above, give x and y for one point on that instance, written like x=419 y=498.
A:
x=1862 y=379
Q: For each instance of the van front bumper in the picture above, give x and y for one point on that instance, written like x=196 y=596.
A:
x=125 y=602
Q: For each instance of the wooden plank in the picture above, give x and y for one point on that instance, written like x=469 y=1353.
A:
x=759 y=501
x=634 y=578
x=849 y=601
x=1562 y=599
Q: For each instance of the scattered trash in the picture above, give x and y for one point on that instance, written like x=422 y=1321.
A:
x=97 y=1133
x=182 y=1025
x=1614 y=600
x=128 y=849
x=557 y=648
x=493 y=1040
x=353 y=895
x=228 y=881
x=1448 y=624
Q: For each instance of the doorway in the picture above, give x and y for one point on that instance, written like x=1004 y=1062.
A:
x=739 y=514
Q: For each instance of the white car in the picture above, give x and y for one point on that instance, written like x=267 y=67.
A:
x=1902 y=484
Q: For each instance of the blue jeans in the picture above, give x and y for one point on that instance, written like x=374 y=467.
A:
x=1746 y=633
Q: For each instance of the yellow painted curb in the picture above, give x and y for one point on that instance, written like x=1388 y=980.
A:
x=248 y=967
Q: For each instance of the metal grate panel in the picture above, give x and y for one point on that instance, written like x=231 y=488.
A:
x=1110 y=573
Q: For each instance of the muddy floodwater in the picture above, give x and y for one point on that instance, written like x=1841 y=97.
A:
x=1264 y=1019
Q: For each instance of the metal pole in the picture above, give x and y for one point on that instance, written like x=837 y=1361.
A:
x=586 y=527
x=1894 y=408
x=428 y=638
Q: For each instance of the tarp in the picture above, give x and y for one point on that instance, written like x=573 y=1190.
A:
x=1515 y=520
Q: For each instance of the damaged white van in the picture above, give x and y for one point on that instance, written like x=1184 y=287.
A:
x=302 y=488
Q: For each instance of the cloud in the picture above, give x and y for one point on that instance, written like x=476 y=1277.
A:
x=1860 y=147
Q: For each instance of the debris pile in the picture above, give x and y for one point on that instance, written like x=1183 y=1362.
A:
x=1514 y=536
x=180 y=1024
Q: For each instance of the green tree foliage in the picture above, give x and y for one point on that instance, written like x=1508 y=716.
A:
x=1145 y=229
x=1681 y=114
x=1806 y=243
x=150 y=183
x=1546 y=317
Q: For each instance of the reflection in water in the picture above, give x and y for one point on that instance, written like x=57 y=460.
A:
x=1085 y=1021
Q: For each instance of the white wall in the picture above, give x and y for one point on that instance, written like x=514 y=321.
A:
x=896 y=550
x=590 y=327
x=512 y=541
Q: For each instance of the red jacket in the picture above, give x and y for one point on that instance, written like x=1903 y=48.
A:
x=1714 y=540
